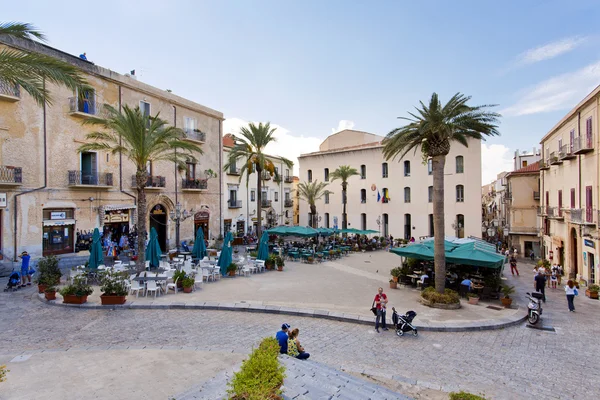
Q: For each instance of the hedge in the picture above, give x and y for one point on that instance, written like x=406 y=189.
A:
x=448 y=297
x=464 y=396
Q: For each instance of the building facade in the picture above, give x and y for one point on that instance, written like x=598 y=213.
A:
x=523 y=158
x=52 y=192
x=569 y=190
x=393 y=197
x=494 y=210
x=239 y=196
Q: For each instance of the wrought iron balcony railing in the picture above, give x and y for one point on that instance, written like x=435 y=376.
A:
x=234 y=203
x=288 y=179
x=10 y=90
x=266 y=203
x=194 y=184
x=80 y=178
x=11 y=175
x=195 y=134
x=151 y=182
x=288 y=202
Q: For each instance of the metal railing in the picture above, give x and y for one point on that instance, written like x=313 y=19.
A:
x=11 y=174
x=565 y=151
x=288 y=202
x=265 y=175
x=9 y=89
x=536 y=195
x=81 y=178
x=580 y=144
x=554 y=212
x=544 y=164
x=194 y=184
x=554 y=158
x=234 y=203
x=233 y=171
x=85 y=106
x=523 y=229
x=266 y=203
x=288 y=179
x=542 y=210
x=152 y=181
x=195 y=134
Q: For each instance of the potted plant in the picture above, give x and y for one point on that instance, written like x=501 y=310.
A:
x=396 y=272
x=592 y=291
x=188 y=283
x=50 y=293
x=270 y=261
x=48 y=273
x=507 y=291
x=473 y=298
x=113 y=288
x=393 y=284
x=310 y=259
x=179 y=276
x=232 y=268
x=76 y=292
x=280 y=263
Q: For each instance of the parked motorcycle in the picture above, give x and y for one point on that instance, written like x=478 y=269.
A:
x=534 y=308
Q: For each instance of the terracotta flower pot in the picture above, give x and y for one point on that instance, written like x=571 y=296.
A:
x=393 y=285
x=280 y=268
x=395 y=279
x=50 y=295
x=506 y=301
x=41 y=288
x=108 y=300
x=591 y=295
x=473 y=300
x=231 y=273
x=74 y=299
x=187 y=289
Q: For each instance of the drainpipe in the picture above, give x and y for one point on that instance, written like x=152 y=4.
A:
x=16 y=203
x=220 y=179
x=579 y=156
x=121 y=155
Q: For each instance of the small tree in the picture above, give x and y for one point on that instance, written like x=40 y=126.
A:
x=344 y=172
x=311 y=192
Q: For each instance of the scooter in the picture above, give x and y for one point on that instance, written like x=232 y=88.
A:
x=534 y=308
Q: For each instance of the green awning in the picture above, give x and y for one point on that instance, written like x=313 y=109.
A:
x=418 y=251
x=474 y=254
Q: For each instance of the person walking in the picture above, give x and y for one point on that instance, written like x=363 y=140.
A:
x=571 y=292
x=559 y=273
x=25 y=275
x=295 y=349
x=540 y=285
x=381 y=305
x=513 y=266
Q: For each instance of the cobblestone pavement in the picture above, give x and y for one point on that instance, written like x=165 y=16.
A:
x=514 y=363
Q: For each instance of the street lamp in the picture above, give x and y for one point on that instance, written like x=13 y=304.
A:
x=178 y=216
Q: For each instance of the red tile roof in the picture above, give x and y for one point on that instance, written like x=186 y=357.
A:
x=530 y=169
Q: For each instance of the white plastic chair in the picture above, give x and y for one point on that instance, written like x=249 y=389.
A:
x=136 y=287
x=207 y=273
x=260 y=264
x=198 y=280
x=172 y=285
x=151 y=286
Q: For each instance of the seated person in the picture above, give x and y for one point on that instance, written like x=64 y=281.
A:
x=453 y=276
x=295 y=349
x=282 y=338
x=423 y=277
x=467 y=282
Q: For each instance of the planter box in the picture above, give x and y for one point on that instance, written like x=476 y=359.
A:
x=50 y=295
x=73 y=299
x=393 y=285
x=231 y=273
x=591 y=295
x=441 y=306
x=112 y=300
x=506 y=302
x=473 y=300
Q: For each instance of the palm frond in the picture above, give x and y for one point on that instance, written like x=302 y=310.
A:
x=21 y=30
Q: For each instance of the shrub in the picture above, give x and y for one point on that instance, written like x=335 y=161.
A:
x=254 y=254
x=3 y=372
x=279 y=261
x=178 y=276
x=260 y=376
x=78 y=288
x=465 y=396
x=412 y=263
x=594 y=288
x=507 y=291
x=396 y=272
x=232 y=267
x=48 y=271
x=113 y=283
x=188 y=281
x=448 y=297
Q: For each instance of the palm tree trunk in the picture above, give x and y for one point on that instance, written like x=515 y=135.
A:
x=344 y=201
x=259 y=204
x=439 y=254
x=313 y=215
x=140 y=179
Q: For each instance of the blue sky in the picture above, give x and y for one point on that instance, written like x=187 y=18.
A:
x=313 y=67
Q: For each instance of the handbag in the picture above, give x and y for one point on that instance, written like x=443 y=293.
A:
x=373 y=308
x=576 y=292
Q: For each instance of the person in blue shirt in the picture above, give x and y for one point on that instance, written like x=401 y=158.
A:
x=282 y=338
x=25 y=275
x=83 y=56
x=467 y=282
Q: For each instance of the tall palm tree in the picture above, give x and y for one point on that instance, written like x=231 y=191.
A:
x=250 y=148
x=311 y=192
x=432 y=130
x=31 y=70
x=142 y=139
x=343 y=172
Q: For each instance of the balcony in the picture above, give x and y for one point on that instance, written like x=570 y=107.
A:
x=523 y=230
x=582 y=146
x=507 y=197
x=266 y=203
x=542 y=211
x=544 y=165
x=554 y=158
x=10 y=176
x=266 y=175
x=85 y=108
x=288 y=203
x=288 y=179
x=234 y=203
x=194 y=184
x=277 y=179
x=195 y=134
x=566 y=152
x=233 y=171
x=536 y=195
x=9 y=92
x=555 y=213
x=86 y=180
x=582 y=216
x=152 y=183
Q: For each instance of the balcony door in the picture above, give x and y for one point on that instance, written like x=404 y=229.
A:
x=89 y=169
x=232 y=197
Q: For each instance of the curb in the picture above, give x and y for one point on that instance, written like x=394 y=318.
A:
x=269 y=309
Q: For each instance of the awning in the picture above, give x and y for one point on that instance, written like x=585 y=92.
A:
x=111 y=207
x=59 y=222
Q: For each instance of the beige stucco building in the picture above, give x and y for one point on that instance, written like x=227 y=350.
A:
x=393 y=197
x=569 y=190
x=52 y=191
x=240 y=200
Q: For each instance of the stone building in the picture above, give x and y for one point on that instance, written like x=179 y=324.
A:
x=51 y=192
x=393 y=197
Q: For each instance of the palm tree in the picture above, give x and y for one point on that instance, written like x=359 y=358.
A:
x=142 y=139
x=31 y=70
x=250 y=148
x=344 y=172
x=432 y=130
x=311 y=192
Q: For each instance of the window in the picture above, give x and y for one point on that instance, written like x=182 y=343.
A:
x=588 y=133
x=560 y=203
x=429 y=167
x=286 y=195
x=287 y=173
x=589 y=214
x=190 y=171
x=326 y=198
x=560 y=144
x=384 y=170
x=149 y=168
x=385 y=195
x=571 y=140
x=460 y=226
x=363 y=221
x=363 y=172
x=276 y=198
x=460 y=167
x=431 y=231
x=407 y=195
x=89 y=169
x=253 y=195
x=572 y=198
x=524 y=164
x=326 y=174
x=86 y=103
x=363 y=196
x=430 y=194
x=406 y=168
x=460 y=193
x=145 y=108
x=407 y=227
x=386 y=224
x=310 y=175
x=189 y=124
x=326 y=220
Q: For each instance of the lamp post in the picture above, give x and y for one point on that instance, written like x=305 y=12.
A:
x=177 y=216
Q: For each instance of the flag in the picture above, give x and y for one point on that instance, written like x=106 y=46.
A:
x=387 y=195
x=378 y=197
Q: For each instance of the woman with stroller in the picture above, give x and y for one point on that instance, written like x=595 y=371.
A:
x=295 y=349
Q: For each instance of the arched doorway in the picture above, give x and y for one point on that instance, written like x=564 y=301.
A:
x=158 y=221
x=574 y=268
x=201 y=219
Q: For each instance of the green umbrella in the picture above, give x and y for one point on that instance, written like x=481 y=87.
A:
x=418 y=251
x=351 y=230
x=96 y=254
x=199 y=250
x=279 y=230
x=263 y=247
x=476 y=255
x=153 y=251
x=369 y=231
x=226 y=254
x=325 y=231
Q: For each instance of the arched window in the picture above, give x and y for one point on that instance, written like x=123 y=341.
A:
x=460 y=193
x=326 y=174
x=363 y=221
x=460 y=166
x=310 y=175
x=363 y=172
x=363 y=196
x=430 y=194
x=407 y=168
x=407 y=195
x=460 y=226
x=407 y=227
x=384 y=170
x=326 y=220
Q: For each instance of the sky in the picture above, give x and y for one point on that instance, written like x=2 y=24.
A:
x=315 y=67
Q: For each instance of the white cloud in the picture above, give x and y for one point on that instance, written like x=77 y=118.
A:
x=550 y=50
x=557 y=93
x=287 y=145
x=495 y=158
x=343 y=124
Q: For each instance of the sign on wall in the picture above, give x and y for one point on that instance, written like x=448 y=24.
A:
x=589 y=243
x=58 y=215
x=2 y=199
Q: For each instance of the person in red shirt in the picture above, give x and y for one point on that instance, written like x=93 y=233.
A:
x=381 y=304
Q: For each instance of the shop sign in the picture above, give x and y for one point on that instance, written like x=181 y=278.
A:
x=58 y=215
x=2 y=199
x=113 y=218
x=589 y=243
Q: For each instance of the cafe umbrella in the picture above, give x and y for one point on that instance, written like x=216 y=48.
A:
x=153 y=251
x=226 y=254
x=263 y=247
x=199 y=249
x=96 y=255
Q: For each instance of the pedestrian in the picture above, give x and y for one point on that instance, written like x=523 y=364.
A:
x=540 y=284
x=513 y=266
x=295 y=349
x=282 y=337
x=381 y=305
x=553 y=279
x=571 y=292
x=532 y=255
x=559 y=273
x=25 y=274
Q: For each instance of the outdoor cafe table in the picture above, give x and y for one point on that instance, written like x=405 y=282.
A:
x=414 y=278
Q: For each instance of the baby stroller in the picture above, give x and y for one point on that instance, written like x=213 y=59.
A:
x=403 y=323
x=14 y=282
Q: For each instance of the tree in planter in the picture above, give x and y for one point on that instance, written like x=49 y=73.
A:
x=432 y=131
x=250 y=148
x=311 y=192
x=142 y=139
x=232 y=268
x=48 y=271
x=343 y=173
x=187 y=282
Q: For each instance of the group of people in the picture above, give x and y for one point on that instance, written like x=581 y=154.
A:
x=556 y=274
x=289 y=343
